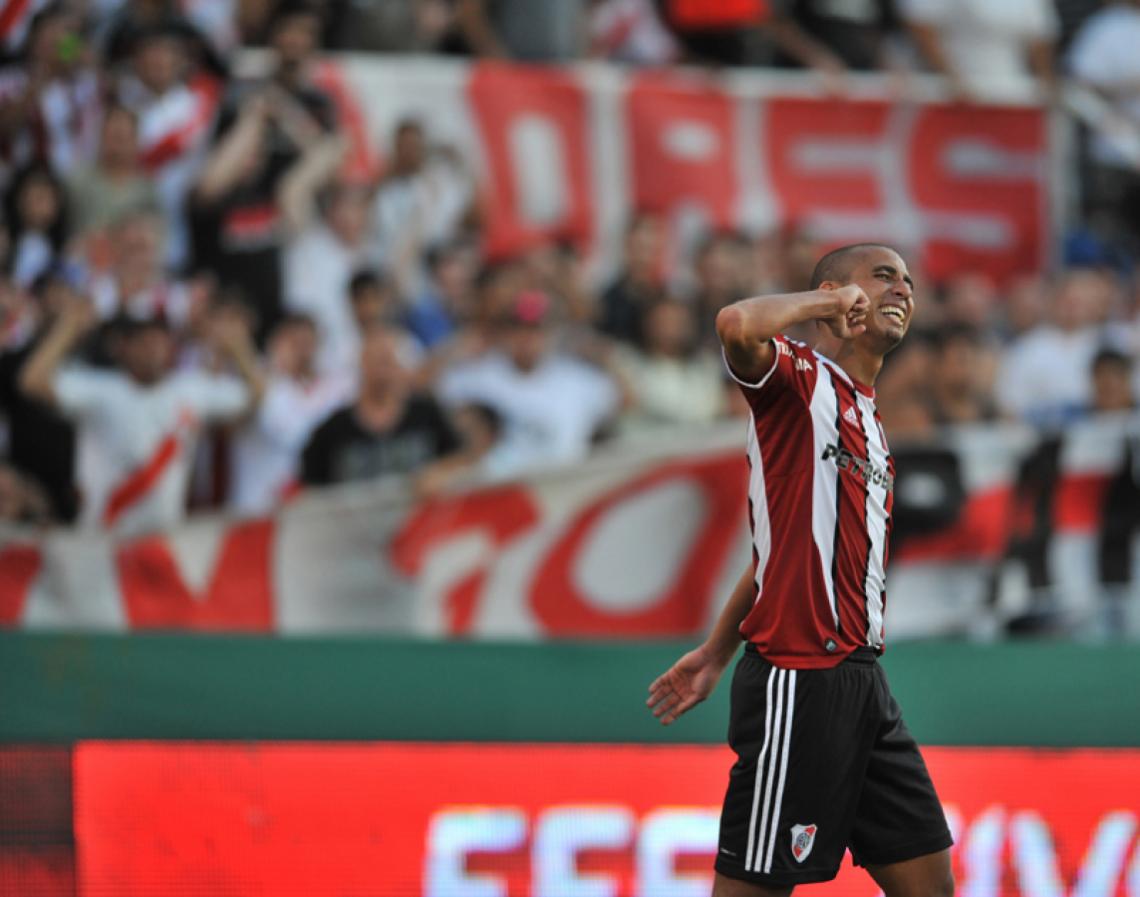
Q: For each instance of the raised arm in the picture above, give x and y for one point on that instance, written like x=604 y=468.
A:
x=227 y=161
x=476 y=27
x=692 y=678
x=746 y=328
x=234 y=342
x=38 y=374
x=297 y=192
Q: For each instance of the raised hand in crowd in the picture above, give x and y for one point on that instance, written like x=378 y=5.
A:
x=229 y=334
x=76 y=317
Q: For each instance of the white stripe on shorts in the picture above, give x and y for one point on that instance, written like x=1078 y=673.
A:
x=759 y=767
x=783 y=771
x=770 y=772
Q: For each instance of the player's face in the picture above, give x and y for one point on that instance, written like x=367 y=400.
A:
x=884 y=278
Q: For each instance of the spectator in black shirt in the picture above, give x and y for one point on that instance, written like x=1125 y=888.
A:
x=42 y=441
x=388 y=429
x=639 y=285
x=275 y=147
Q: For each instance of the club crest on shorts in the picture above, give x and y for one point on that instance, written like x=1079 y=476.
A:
x=803 y=837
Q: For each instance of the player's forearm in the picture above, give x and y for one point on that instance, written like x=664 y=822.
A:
x=725 y=636
x=224 y=166
x=749 y=323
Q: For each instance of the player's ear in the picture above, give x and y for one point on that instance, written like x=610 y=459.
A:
x=830 y=285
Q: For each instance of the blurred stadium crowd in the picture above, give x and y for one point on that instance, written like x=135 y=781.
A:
x=178 y=237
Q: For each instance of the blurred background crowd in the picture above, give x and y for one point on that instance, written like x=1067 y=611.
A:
x=191 y=294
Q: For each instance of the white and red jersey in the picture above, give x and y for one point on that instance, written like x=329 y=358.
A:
x=820 y=491
x=63 y=129
x=174 y=132
x=15 y=18
x=136 y=443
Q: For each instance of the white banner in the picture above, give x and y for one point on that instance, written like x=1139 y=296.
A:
x=644 y=540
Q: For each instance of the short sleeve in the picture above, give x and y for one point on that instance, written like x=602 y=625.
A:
x=316 y=458
x=463 y=383
x=605 y=397
x=1037 y=19
x=1092 y=57
x=793 y=369
x=215 y=397
x=446 y=437
x=83 y=392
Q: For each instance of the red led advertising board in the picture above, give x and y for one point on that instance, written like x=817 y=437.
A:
x=462 y=820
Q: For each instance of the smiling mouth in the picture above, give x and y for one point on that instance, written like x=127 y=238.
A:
x=894 y=313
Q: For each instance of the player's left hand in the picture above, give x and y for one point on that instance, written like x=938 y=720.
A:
x=684 y=685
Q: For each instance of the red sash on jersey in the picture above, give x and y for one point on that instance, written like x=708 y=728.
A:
x=141 y=480
x=177 y=141
x=14 y=18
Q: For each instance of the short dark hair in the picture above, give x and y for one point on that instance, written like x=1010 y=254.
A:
x=955 y=332
x=290 y=9
x=295 y=319
x=367 y=279
x=438 y=253
x=490 y=417
x=127 y=326
x=1110 y=357
x=408 y=123
x=641 y=217
x=837 y=264
x=713 y=239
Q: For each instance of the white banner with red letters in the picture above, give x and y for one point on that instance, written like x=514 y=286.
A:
x=566 y=153
x=644 y=540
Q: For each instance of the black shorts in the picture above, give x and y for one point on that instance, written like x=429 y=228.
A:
x=837 y=769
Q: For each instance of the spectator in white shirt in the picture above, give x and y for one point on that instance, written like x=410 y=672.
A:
x=987 y=50
x=175 y=106
x=423 y=201
x=50 y=100
x=319 y=265
x=267 y=451
x=1103 y=58
x=552 y=405
x=139 y=424
x=631 y=31
x=1044 y=377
